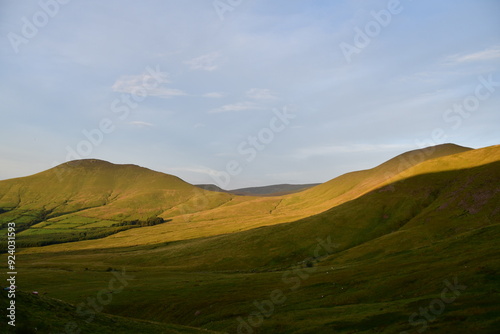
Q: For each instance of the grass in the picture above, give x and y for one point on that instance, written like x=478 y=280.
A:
x=42 y=314
x=339 y=295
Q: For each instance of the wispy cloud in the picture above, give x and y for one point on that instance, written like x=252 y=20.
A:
x=488 y=54
x=141 y=124
x=240 y=106
x=426 y=98
x=214 y=95
x=205 y=63
x=260 y=94
x=429 y=77
x=145 y=84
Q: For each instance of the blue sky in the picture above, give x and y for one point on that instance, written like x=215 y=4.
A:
x=358 y=82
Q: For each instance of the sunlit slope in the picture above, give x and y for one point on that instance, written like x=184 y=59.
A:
x=100 y=188
x=88 y=199
x=467 y=159
x=352 y=185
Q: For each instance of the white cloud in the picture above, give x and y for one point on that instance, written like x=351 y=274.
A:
x=214 y=95
x=204 y=63
x=141 y=124
x=145 y=85
x=488 y=54
x=240 y=106
x=260 y=94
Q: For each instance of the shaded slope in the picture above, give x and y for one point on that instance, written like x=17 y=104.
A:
x=44 y=315
x=371 y=295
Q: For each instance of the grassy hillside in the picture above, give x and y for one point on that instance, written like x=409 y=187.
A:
x=91 y=198
x=367 y=295
x=41 y=314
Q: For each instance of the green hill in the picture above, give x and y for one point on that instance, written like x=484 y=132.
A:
x=88 y=199
x=97 y=188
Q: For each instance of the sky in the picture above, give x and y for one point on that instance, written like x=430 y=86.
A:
x=244 y=93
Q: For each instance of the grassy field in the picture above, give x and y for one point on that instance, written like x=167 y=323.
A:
x=377 y=261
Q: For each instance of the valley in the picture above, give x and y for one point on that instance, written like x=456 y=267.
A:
x=405 y=247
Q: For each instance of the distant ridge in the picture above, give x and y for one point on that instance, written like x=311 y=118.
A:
x=271 y=190
x=211 y=187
